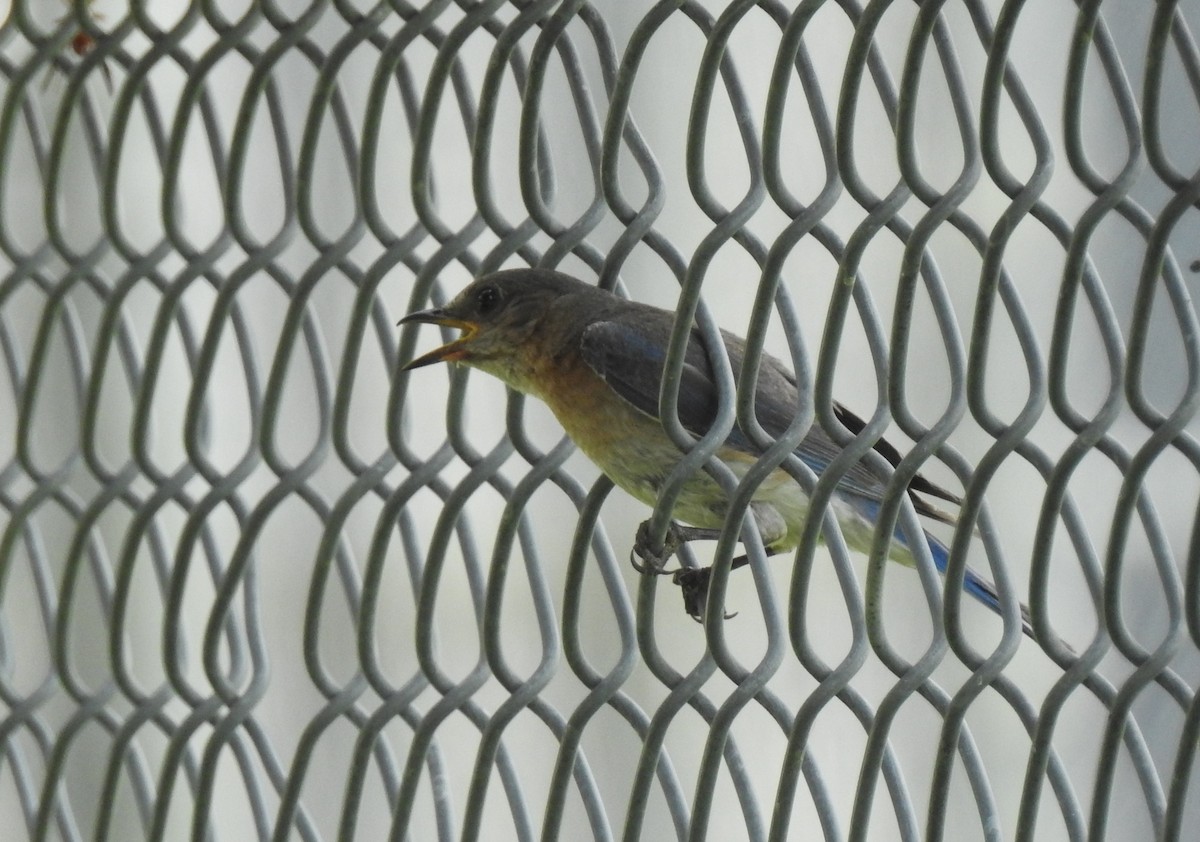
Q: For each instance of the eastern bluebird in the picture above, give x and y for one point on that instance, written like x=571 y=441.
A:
x=597 y=361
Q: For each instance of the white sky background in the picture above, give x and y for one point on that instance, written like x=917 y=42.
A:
x=286 y=547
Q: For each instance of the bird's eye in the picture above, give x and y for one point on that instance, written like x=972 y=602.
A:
x=487 y=300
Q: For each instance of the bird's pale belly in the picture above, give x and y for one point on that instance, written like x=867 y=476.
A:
x=635 y=453
x=780 y=505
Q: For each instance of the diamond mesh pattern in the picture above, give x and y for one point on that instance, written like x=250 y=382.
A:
x=256 y=583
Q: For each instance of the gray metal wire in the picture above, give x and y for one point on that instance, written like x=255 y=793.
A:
x=255 y=582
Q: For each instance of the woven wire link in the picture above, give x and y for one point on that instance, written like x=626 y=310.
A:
x=255 y=582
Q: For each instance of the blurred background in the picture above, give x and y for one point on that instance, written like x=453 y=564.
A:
x=257 y=583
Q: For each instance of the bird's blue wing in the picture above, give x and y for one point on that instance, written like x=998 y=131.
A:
x=629 y=353
x=631 y=361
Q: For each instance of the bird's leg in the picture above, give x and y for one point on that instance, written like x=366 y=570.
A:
x=655 y=562
x=693 y=581
x=693 y=584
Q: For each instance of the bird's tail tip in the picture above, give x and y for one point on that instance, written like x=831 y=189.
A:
x=979 y=587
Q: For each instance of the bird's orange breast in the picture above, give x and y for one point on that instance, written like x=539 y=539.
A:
x=625 y=443
x=634 y=451
x=591 y=413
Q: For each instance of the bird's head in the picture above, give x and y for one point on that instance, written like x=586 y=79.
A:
x=502 y=317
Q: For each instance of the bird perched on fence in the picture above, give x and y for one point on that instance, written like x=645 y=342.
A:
x=597 y=361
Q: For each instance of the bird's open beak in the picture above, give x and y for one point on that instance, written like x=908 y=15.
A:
x=451 y=351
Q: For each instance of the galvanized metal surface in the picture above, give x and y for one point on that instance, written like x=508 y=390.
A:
x=256 y=583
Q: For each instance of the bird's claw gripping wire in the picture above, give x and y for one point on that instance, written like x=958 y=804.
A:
x=693 y=585
x=645 y=559
x=692 y=581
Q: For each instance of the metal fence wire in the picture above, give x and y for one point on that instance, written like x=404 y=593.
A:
x=256 y=582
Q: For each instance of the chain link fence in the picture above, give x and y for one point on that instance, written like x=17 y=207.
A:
x=256 y=583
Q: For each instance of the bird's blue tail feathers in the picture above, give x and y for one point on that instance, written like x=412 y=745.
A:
x=974 y=584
